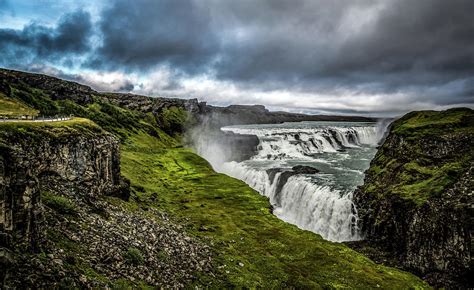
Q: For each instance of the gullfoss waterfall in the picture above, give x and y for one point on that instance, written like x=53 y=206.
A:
x=308 y=170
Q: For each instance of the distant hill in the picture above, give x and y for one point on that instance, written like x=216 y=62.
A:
x=214 y=116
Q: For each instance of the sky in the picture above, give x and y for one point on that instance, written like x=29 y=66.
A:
x=358 y=57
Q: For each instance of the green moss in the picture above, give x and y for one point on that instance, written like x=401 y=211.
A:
x=62 y=241
x=433 y=122
x=122 y=284
x=238 y=221
x=173 y=120
x=92 y=274
x=425 y=181
x=409 y=170
x=134 y=256
x=59 y=203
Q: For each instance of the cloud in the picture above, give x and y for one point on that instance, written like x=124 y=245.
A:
x=341 y=42
x=37 y=42
x=4 y=6
x=321 y=47
x=357 y=56
x=142 y=34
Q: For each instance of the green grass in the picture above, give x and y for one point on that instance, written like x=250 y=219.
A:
x=12 y=108
x=61 y=204
x=420 y=180
x=408 y=169
x=237 y=220
x=422 y=123
x=27 y=130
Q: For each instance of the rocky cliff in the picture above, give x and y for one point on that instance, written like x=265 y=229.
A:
x=416 y=203
x=80 y=159
x=57 y=228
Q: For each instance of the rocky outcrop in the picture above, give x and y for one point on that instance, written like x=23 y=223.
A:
x=284 y=174
x=33 y=162
x=154 y=105
x=304 y=169
x=110 y=245
x=416 y=203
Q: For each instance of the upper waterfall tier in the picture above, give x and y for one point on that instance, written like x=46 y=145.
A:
x=301 y=142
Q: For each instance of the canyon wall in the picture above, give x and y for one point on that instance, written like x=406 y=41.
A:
x=78 y=159
x=417 y=199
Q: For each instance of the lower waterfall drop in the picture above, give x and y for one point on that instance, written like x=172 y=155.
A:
x=321 y=202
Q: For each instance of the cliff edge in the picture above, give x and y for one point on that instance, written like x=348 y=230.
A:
x=416 y=203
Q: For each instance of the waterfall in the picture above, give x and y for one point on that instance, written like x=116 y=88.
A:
x=322 y=202
x=278 y=143
x=319 y=209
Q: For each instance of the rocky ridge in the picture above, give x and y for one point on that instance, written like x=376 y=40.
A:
x=210 y=116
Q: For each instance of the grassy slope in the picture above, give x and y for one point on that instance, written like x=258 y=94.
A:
x=237 y=220
x=253 y=248
x=14 y=108
x=414 y=175
x=50 y=129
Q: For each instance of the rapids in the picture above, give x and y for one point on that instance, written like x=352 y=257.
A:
x=320 y=202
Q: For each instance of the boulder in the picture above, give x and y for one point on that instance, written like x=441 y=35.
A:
x=304 y=169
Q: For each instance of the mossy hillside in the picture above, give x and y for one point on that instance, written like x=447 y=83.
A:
x=253 y=248
x=12 y=108
x=171 y=120
x=420 y=160
x=110 y=117
x=58 y=130
x=424 y=123
x=59 y=203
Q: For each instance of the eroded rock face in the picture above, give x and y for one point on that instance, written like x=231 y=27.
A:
x=417 y=199
x=31 y=164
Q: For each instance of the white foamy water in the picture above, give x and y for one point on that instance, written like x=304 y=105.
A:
x=320 y=202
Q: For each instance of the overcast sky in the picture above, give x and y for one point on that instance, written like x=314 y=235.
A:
x=315 y=56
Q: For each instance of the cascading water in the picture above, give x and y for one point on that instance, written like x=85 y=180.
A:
x=320 y=202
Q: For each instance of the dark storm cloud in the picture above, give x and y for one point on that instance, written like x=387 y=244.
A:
x=303 y=43
x=141 y=34
x=310 y=40
x=38 y=42
x=4 y=5
x=344 y=55
x=425 y=35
